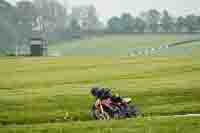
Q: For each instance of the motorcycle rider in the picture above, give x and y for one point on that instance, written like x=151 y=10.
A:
x=119 y=103
x=104 y=93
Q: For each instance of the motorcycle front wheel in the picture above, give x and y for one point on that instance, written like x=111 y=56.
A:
x=102 y=115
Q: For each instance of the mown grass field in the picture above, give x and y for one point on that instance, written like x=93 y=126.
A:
x=42 y=90
x=36 y=93
x=122 y=45
x=145 y=125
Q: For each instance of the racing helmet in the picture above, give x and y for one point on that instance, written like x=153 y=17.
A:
x=94 y=91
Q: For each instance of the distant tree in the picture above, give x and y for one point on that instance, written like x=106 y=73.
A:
x=75 y=26
x=26 y=18
x=198 y=21
x=180 y=24
x=53 y=14
x=140 y=24
x=8 y=27
x=127 y=22
x=114 y=24
x=75 y=29
x=93 y=20
x=191 y=23
x=167 y=22
x=27 y=12
x=87 y=17
x=8 y=37
x=152 y=18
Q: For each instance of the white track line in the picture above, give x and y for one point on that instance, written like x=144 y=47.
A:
x=187 y=115
x=184 y=115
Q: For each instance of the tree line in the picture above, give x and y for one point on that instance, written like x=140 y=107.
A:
x=8 y=30
x=59 y=22
x=154 y=21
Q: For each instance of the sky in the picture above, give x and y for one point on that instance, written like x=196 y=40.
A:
x=108 y=8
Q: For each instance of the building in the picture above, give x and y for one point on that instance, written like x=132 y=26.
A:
x=38 y=47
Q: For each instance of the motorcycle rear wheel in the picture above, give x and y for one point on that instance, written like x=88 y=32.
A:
x=135 y=111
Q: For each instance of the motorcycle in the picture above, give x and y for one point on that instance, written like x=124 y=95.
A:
x=107 y=109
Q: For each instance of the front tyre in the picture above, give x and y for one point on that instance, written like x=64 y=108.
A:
x=102 y=115
x=98 y=115
x=92 y=112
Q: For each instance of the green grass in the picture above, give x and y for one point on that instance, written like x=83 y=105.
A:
x=181 y=50
x=42 y=90
x=147 y=125
x=120 y=45
x=36 y=93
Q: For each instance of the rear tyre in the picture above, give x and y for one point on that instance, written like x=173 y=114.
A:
x=134 y=111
